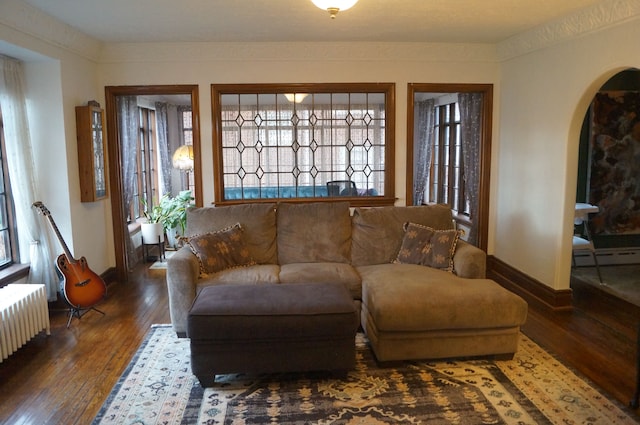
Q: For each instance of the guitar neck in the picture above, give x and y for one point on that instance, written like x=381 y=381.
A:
x=65 y=248
x=46 y=213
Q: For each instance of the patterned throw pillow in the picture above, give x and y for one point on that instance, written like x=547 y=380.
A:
x=425 y=246
x=220 y=250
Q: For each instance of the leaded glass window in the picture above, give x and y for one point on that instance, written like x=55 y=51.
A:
x=320 y=144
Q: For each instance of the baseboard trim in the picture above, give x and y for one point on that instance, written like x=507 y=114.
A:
x=532 y=290
x=608 y=256
x=109 y=276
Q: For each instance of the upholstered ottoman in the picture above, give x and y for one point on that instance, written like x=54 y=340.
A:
x=271 y=328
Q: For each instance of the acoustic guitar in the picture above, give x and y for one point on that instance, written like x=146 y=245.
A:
x=82 y=288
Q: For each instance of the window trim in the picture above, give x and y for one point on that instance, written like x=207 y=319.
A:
x=218 y=90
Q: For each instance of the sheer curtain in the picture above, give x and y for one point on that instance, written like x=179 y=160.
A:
x=423 y=145
x=163 y=146
x=470 y=127
x=34 y=235
x=128 y=128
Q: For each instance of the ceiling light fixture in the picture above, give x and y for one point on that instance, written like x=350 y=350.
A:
x=334 y=6
x=296 y=97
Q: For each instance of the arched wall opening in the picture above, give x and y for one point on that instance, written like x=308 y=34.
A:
x=580 y=184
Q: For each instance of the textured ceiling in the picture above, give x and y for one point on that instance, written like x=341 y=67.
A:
x=465 y=21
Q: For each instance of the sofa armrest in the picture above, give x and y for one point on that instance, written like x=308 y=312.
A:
x=183 y=270
x=469 y=261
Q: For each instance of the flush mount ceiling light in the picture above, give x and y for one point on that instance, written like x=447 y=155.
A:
x=334 y=6
x=296 y=97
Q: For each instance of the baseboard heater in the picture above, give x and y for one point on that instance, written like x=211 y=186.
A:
x=609 y=257
x=24 y=313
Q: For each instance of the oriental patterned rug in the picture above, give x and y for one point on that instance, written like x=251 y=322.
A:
x=533 y=388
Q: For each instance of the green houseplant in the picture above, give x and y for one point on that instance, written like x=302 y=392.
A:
x=171 y=212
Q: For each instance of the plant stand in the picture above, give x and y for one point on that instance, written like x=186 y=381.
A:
x=159 y=244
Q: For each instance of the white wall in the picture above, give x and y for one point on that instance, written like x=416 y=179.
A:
x=545 y=95
x=58 y=78
x=208 y=63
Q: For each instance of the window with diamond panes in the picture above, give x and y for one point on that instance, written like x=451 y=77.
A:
x=329 y=144
x=446 y=175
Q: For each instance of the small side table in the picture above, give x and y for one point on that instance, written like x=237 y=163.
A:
x=584 y=242
x=159 y=244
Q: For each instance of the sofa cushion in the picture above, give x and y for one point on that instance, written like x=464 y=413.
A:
x=406 y=297
x=425 y=246
x=341 y=273
x=224 y=249
x=258 y=221
x=316 y=232
x=378 y=232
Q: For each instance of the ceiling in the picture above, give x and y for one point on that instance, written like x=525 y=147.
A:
x=463 y=21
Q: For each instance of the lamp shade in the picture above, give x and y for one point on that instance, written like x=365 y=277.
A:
x=183 y=158
x=334 y=6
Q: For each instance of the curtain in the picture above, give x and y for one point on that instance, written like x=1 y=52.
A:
x=34 y=241
x=470 y=128
x=423 y=145
x=128 y=128
x=163 y=146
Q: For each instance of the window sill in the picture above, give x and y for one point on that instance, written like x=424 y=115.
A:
x=13 y=273
x=462 y=219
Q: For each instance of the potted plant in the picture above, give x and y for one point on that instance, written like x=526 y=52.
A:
x=174 y=215
x=153 y=229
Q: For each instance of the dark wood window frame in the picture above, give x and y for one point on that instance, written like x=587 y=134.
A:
x=218 y=90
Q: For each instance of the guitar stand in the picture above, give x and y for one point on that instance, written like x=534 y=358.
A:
x=79 y=312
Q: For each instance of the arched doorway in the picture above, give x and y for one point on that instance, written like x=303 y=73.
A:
x=608 y=177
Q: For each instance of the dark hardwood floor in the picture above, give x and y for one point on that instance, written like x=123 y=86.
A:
x=64 y=378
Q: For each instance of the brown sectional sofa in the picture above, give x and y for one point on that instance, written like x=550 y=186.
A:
x=407 y=311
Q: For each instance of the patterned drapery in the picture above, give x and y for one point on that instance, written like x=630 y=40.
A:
x=423 y=146
x=128 y=127
x=163 y=146
x=470 y=129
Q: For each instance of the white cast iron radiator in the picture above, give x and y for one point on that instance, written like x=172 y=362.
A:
x=24 y=312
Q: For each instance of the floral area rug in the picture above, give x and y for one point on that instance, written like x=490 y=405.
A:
x=533 y=388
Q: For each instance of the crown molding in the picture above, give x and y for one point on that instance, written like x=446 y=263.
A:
x=26 y=19
x=599 y=16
